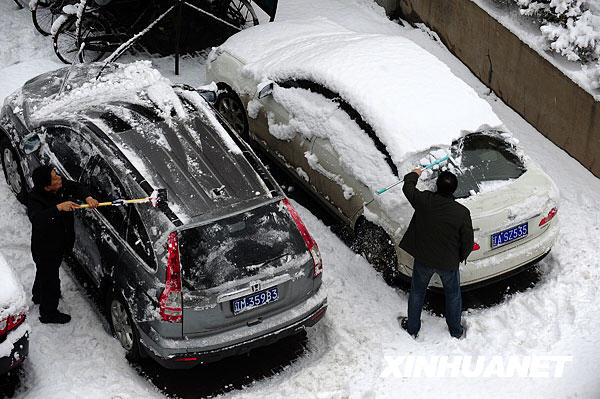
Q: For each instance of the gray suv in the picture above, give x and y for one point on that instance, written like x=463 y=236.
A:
x=224 y=265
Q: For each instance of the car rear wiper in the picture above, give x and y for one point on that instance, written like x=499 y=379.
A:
x=259 y=265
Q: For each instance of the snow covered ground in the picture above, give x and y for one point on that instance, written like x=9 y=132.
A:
x=348 y=353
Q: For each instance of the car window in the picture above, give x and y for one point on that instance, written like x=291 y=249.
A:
x=138 y=238
x=105 y=186
x=70 y=148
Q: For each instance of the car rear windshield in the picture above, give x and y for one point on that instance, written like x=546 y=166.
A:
x=486 y=161
x=239 y=246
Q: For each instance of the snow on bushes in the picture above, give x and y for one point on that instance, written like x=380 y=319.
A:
x=572 y=27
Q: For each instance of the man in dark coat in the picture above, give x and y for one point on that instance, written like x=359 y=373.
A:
x=50 y=209
x=439 y=237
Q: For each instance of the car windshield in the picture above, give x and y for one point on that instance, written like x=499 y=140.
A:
x=239 y=246
x=486 y=161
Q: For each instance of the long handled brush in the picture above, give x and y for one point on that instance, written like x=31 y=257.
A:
x=157 y=197
x=447 y=157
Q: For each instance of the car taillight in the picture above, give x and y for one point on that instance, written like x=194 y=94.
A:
x=312 y=246
x=476 y=246
x=170 y=299
x=548 y=218
x=10 y=323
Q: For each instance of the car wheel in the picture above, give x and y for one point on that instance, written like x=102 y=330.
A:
x=124 y=329
x=230 y=106
x=377 y=247
x=12 y=170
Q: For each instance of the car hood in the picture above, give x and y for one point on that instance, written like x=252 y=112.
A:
x=410 y=98
x=12 y=296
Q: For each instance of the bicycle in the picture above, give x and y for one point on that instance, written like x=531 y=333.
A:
x=45 y=12
x=100 y=32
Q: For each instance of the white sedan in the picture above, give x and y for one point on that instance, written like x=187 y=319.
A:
x=348 y=114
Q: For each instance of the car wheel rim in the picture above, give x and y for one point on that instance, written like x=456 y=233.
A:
x=121 y=324
x=231 y=110
x=12 y=171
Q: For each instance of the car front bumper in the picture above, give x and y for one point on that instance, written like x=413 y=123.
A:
x=169 y=353
x=19 y=351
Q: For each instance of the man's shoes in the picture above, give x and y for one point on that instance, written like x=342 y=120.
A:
x=55 y=318
x=463 y=334
x=403 y=320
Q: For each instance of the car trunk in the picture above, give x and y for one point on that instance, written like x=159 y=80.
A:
x=257 y=254
x=524 y=202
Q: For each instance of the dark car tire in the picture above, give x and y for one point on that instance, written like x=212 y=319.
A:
x=123 y=328
x=377 y=247
x=232 y=109
x=13 y=173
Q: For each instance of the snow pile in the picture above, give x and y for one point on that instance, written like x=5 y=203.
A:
x=137 y=83
x=410 y=98
x=572 y=27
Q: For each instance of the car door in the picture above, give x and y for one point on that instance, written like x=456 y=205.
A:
x=289 y=152
x=106 y=225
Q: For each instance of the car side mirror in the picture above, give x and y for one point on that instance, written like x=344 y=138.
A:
x=264 y=89
x=31 y=143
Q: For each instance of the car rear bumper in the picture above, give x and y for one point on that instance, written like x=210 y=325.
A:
x=18 y=353
x=169 y=353
x=501 y=265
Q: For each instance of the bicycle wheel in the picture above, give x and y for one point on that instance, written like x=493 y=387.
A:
x=44 y=14
x=94 y=32
x=65 y=41
x=241 y=14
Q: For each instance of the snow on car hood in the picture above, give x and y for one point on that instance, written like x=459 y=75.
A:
x=410 y=98
x=12 y=296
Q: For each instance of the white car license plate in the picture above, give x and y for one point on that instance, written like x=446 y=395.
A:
x=509 y=235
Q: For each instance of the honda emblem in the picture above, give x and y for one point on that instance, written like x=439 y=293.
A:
x=255 y=287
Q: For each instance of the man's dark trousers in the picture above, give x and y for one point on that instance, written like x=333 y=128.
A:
x=46 y=287
x=420 y=280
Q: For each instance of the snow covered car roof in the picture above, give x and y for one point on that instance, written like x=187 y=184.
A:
x=169 y=134
x=410 y=98
x=12 y=296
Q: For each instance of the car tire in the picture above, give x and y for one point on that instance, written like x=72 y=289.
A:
x=232 y=109
x=377 y=247
x=123 y=327
x=12 y=170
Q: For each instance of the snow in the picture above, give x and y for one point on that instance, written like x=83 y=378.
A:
x=412 y=106
x=12 y=297
x=345 y=355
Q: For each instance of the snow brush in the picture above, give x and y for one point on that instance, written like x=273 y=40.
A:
x=157 y=197
x=447 y=157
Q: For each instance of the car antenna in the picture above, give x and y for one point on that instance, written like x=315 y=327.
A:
x=125 y=46
x=68 y=74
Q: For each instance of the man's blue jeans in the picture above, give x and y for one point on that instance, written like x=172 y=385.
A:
x=420 y=280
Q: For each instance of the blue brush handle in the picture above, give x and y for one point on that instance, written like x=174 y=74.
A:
x=383 y=190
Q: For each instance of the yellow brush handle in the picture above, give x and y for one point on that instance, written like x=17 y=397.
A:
x=111 y=203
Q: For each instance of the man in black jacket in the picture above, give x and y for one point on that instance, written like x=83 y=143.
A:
x=439 y=237
x=50 y=209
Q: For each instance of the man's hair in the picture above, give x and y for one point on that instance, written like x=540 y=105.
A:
x=42 y=177
x=446 y=183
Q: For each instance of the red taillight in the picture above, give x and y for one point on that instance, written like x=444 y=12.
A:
x=476 y=246
x=170 y=299
x=186 y=359
x=10 y=323
x=312 y=246
x=548 y=218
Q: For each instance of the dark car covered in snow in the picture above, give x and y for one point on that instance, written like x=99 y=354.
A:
x=223 y=265
x=14 y=331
